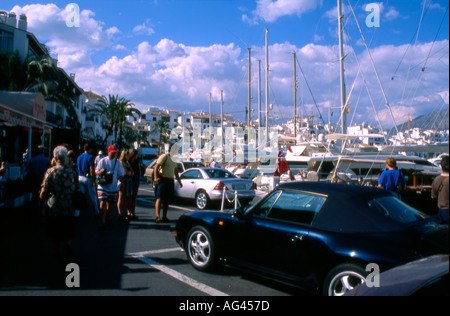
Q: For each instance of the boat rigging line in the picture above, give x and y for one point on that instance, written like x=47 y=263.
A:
x=310 y=91
x=373 y=65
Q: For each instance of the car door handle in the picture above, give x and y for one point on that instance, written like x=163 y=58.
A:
x=295 y=237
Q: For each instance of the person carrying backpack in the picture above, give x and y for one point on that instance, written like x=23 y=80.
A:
x=164 y=174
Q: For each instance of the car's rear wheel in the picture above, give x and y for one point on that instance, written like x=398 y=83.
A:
x=200 y=249
x=344 y=278
x=202 y=200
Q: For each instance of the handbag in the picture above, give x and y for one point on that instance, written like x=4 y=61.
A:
x=106 y=177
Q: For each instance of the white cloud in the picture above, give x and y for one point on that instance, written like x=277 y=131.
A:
x=71 y=44
x=168 y=73
x=119 y=47
x=271 y=10
x=445 y=96
x=144 y=29
x=391 y=14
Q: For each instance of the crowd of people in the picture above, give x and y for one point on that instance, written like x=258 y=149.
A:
x=59 y=184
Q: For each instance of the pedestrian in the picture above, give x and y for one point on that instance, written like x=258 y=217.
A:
x=165 y=171
x=86 y=177
x=111 y=171
x=72 y=160
x=35 y=172
x=99 y=157
x=58 y=190
x=214 y=164
x=25 y=158
x=125 y=188
x=135 y=165
x=440 y=190
x=392 y=179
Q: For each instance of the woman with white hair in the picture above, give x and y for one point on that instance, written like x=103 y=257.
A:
x=58 y=189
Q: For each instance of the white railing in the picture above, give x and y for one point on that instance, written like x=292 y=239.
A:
x=235 y=200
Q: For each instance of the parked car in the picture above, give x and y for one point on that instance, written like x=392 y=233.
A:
x=205 y=186
x=318 y=236
x=181 y=166
x=424 y=277
x=146 y=156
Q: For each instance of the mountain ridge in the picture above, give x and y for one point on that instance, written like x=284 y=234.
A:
x=436 y=120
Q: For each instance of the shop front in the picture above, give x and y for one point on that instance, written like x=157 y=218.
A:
x=23 y=128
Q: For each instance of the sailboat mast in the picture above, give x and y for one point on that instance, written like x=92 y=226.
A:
x=210 y=116
x=267 y=87
x=222 y=142
x=249 y=118
x=259 y=103
x=295 y=97
x=342 y=77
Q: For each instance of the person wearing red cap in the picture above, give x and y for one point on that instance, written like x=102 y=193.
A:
x=107 y=192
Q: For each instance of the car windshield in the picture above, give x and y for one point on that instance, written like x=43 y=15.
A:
x=395 y=210
x=219 y=174
x=189 y=165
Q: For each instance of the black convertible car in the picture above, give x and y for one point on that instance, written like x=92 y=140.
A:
x=319 y=236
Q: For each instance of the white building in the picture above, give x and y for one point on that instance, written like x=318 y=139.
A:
x=369 y=135
x=94 y=127
x=416 y=136
x=14 y=37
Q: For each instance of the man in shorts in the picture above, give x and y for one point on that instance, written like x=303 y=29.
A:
x=107 y=193
x=165 y=171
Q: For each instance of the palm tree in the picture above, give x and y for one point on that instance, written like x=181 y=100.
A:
x=163 y=129
x=125 y=109
x=36 y=74
x=42 y=75
x=130 y=136
x=116 y=110
x=106 y=107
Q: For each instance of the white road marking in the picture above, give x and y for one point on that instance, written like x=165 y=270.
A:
x=146 y=199
x=175 y=274
x=141 y=256
x=153 y=252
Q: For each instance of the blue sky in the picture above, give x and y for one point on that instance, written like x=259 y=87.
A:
x=172 y=53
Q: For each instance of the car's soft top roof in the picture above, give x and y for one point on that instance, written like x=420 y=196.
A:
x=327 y=188
x=347 y=206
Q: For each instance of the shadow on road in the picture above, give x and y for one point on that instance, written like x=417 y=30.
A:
x=28 y=262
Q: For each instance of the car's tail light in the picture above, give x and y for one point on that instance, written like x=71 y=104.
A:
x=253 y=187
x=220 y=186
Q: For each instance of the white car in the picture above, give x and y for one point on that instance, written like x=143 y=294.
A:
x=181 y=166
x=206 y=185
